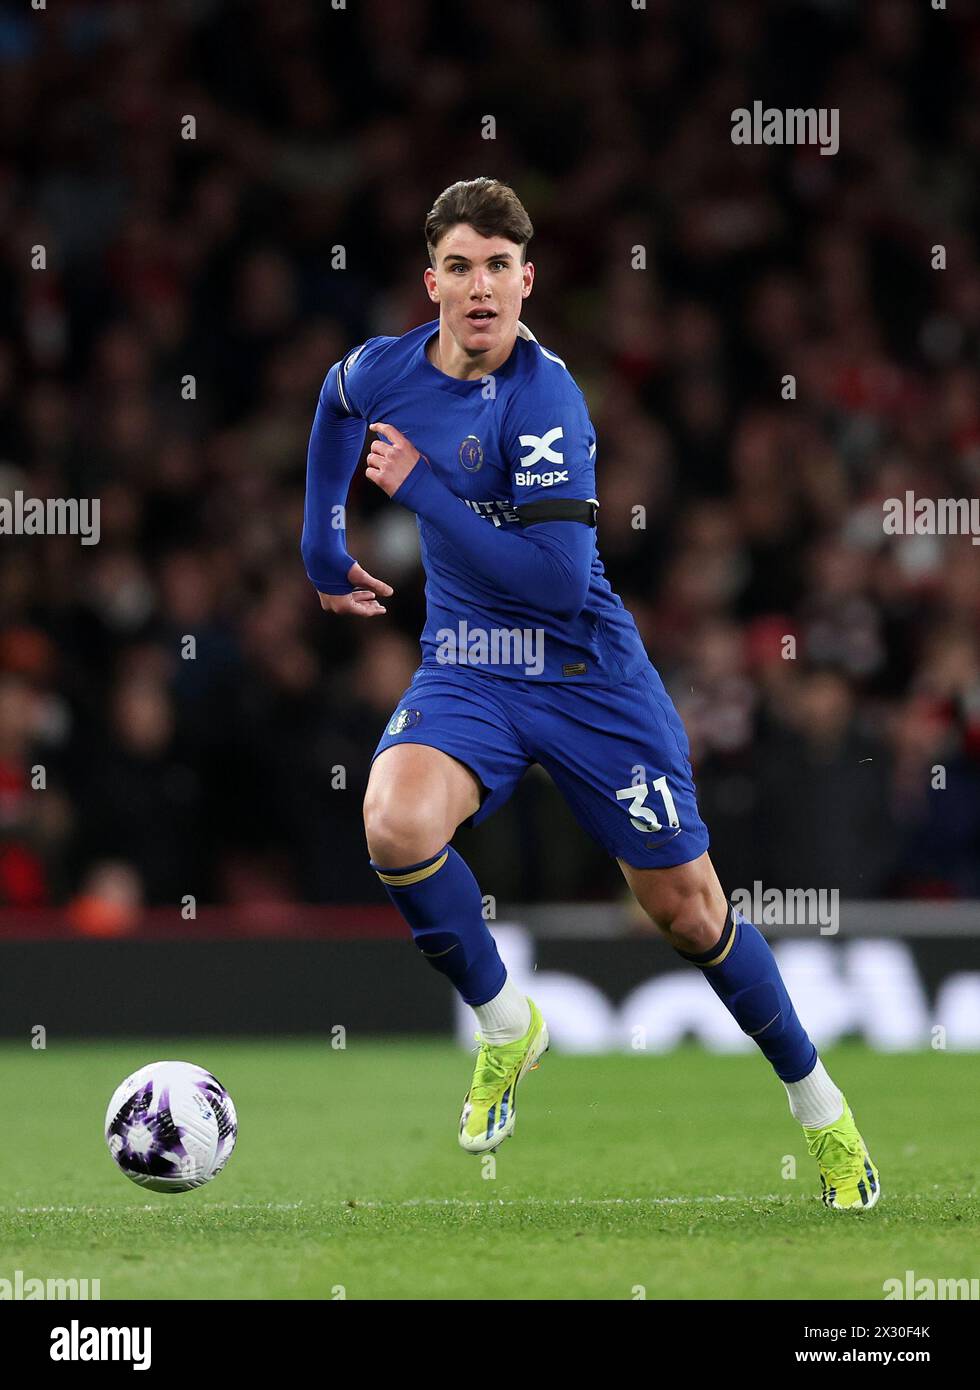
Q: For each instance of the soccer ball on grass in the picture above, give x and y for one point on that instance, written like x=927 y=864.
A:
x=171 y=1126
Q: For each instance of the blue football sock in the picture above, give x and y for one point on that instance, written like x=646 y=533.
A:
x=440 y=900
x=742 y=971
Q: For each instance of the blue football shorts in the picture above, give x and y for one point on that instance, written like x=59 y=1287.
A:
x=618 y=754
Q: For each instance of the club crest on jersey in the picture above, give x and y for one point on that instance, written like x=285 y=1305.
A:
x=471 y=454
x=404 y=719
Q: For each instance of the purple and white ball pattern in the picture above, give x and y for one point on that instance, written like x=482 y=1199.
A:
x=171 y=1126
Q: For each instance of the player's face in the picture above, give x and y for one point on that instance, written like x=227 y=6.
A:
x=479 y=285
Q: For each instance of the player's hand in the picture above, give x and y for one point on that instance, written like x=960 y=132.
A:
x=389 y=464
x=364 y=600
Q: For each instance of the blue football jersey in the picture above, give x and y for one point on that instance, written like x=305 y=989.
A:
x=519 y=435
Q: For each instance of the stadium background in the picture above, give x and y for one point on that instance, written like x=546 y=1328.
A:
x=318 y=129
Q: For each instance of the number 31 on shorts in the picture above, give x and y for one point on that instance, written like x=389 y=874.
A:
x=642 y=817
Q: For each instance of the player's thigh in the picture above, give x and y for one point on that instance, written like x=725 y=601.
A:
x=685 y=901
x=416 y=797
x=462 y=717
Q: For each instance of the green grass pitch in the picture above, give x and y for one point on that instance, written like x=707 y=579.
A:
x=663 y=1174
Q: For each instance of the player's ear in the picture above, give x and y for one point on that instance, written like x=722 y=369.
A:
x=429 y=278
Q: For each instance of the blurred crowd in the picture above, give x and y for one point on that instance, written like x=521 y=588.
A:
x=168 y=356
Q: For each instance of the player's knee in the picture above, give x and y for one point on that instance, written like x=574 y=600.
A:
x=686 y=902
x=400 y=832
x=692 y=921
x=693 y=929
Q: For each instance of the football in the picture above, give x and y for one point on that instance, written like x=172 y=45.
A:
x=171 y=1126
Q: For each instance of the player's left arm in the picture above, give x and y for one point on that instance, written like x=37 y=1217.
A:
x=549 y=561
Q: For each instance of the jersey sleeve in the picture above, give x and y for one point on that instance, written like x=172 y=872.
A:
x=545 y=566
x=336 y=442
x=348 y=386
x=549 y=444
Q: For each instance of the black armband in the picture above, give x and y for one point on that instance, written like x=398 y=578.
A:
x=558 y=509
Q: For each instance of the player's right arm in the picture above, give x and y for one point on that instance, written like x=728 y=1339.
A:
x=336 y=442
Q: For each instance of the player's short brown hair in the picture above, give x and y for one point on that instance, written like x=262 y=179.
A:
x=490 y=207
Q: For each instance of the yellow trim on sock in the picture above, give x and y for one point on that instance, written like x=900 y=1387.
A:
x=416 y=875
x=722 y=954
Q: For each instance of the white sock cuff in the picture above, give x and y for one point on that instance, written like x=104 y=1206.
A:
x=506 y=1017
x=815 y=1101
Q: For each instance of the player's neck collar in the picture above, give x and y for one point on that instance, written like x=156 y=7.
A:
x=460 y=385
